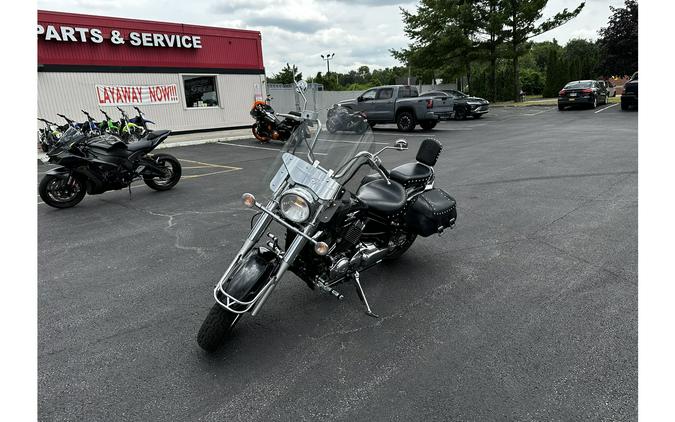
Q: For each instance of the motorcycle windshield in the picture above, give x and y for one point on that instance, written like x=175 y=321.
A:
x=315 y=157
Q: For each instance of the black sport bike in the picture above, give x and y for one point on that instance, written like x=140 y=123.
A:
x=103 y=163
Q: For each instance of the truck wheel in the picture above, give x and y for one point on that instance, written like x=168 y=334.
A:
x=406 y=121
x=428 y=124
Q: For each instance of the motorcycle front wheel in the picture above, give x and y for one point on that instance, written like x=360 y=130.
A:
x=257 y=135
x=60 y=192
x=216 y=327
x=331 y=126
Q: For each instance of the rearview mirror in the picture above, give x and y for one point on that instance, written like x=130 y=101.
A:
x=401 y=145
x=359 y=98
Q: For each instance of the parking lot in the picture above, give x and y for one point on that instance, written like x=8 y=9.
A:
x=527 y=310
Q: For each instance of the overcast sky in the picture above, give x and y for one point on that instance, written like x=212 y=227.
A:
x=359 y=32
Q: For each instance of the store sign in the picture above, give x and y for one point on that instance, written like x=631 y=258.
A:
x=117 y=95
x=136 y=39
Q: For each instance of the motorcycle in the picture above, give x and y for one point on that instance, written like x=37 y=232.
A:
x=48 y=135
x=341 y=118
x=140 y=120
x=268 y=125
x=129 y=131
x=90 y=127
x=339 y=220
x=102 y=163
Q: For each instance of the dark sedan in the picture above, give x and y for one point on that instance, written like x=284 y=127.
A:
x=629 y=98
x=464 y=105
x=586 y=93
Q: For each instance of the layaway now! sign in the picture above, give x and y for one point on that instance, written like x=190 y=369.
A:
x=119 y=95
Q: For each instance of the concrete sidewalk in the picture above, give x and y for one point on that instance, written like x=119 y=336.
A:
x=182 y=140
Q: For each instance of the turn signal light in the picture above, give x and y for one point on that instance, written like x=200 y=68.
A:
x=321 y=248
x=248 y=200
x=587 y=91
x=430 y=103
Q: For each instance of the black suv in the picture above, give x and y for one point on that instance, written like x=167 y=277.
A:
x=630 y=93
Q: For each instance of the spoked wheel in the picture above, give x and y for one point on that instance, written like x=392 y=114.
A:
x=216 y=328
x=460 y=114
x=331 y=126
x=173 y=173
x=61 y=192
x=404 y=244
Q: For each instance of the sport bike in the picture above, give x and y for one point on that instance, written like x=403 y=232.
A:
x=337 y=220
x=103 y=163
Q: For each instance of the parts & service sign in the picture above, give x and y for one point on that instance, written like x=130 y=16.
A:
x=119 y=95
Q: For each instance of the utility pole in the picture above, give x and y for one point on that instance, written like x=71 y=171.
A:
x=327 y=58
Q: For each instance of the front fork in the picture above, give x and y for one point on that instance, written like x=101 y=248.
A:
x=289 y=256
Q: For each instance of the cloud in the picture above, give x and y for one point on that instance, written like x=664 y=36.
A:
x=287 y=24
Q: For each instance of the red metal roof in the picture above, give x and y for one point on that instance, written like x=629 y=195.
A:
x=222 y=48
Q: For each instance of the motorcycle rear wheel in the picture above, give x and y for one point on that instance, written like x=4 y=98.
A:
x=216 y=328
x=166 y=183
x=401 y=249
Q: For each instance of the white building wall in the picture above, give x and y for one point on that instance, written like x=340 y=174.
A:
x=69 y=92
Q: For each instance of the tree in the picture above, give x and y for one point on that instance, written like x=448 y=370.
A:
x=618 y=41
x=522 y=24
x=490 y=20
x=285 y=76
x=445 y=37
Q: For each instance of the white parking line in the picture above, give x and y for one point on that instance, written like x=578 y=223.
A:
x=538 y=113
x=256 y=147
x=610 y=106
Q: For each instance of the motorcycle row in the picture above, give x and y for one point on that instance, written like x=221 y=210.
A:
x=340 y=210
x=98 y=156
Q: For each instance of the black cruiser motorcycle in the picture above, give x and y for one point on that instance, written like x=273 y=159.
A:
x=338 y=220
x=102 y=163
x=342 y=118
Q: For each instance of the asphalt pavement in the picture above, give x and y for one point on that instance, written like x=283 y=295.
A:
x=527 y=310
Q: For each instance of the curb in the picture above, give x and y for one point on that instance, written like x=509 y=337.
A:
x=42 y=155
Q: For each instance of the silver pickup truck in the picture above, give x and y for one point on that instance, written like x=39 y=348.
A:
x=401 y=104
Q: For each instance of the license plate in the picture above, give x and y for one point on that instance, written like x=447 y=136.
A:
x=573 y=94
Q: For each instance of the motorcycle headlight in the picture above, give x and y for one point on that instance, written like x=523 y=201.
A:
x=296 y=206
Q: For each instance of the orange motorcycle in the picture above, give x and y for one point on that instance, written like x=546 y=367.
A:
x=270 y=125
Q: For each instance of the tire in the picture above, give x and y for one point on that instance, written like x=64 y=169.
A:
x=258 y=136
x=216 y=328
x=396 y=253
x=55 y=192
x=561 y=107
x=428 y=124
x=363 y=128
x=624 y=106
x=477 y=116
x=162 y=184
x=406 y=121
x=595 y=102
x=460 y=113
x=331 y=126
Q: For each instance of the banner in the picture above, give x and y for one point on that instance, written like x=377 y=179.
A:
x=119 y=95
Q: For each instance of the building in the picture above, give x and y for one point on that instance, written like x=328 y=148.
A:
x=183 y=77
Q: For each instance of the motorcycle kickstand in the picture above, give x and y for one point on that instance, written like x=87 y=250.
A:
x=357 y=280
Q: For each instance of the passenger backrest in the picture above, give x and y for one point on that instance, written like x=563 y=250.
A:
x=429 y=152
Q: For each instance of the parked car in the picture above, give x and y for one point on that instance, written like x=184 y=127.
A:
x=401 y=104
x=629 y=98
x=464 y=105
x=588 y=93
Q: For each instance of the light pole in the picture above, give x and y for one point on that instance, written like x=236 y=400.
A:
x=327 y=58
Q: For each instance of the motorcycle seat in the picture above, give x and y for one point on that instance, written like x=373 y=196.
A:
x=411 y=174
x=381 y=197
x=149 y=141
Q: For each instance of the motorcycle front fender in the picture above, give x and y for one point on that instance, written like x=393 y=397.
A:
x=60 y=172
x=251 y=275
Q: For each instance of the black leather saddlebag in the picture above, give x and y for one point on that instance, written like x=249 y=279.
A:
x=432 y=212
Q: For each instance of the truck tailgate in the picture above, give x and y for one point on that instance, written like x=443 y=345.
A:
x=442 y=104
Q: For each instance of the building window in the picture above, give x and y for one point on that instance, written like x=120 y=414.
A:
x=200 y=91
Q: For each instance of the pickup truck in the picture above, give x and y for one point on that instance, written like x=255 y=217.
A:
x=401 y=104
